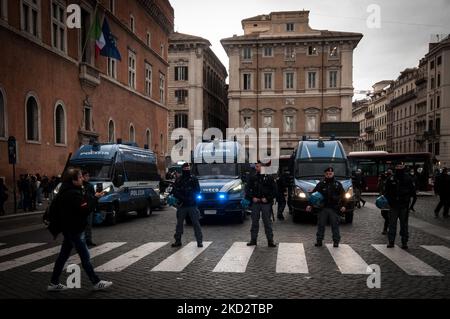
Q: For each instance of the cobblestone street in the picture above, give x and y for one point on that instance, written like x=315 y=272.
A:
x=158 y=271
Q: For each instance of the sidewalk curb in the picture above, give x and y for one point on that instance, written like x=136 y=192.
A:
x=19 y=215
x=420 y=194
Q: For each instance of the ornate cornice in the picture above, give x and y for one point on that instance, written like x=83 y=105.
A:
x=156 y=13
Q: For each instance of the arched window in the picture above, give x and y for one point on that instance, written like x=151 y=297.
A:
x=60 y=124
x=132 y=133
x=148 y=138
x=32 y=119
x=111 y=131
x=2 y=114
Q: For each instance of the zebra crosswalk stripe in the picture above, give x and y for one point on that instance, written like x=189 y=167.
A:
x=182 y=258
x=15 y=249
x=347 y=260
x=131 y=257
x=75 y=259
x=442 y=251
x=17 y=262
x=407 y=262
x=291 y=259
x=236 y=258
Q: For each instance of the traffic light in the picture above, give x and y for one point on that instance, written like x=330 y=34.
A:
x=12 y=156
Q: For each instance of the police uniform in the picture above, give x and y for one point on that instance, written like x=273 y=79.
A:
x=185 y=190
x=261 y=186
x=333 y=193
x=398 y=191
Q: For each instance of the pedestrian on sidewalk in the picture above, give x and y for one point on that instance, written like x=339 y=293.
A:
x=39 y=191
x=260 y=192
x=33 y=192
x=45 y=184
x=73 y=210
x=3 y=196
x=185 y=191
x=20 y=204
x=333 y=193
x=399 y=190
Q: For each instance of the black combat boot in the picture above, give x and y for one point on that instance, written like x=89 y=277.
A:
x=318 y=243
x=251 y=243
x=271 y=244
x=176 y=244
x=404 y=245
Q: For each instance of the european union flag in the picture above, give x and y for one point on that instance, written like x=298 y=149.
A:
x=110 y=48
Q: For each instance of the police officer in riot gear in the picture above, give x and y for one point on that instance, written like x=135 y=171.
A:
x=185 y=190
x=333 y=193
x=260 y=192
x=399 y=189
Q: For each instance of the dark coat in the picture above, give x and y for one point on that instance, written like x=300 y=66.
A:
x=445 y=186
x=438 y=183
x=89 y=193
x=359 y=182
x=261 y=186
x=333 y=193
x=73 y=208
x=399 y=190
x=185 y=190
x=415 y=181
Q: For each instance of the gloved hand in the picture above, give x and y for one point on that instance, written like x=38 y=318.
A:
x=171 y=200
x=245 y=203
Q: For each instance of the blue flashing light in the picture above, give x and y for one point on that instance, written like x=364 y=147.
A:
x=221 y=196
x=199 y=197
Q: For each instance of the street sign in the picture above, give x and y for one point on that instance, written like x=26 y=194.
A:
x=12 y=154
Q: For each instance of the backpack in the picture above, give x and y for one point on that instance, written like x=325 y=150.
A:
x=52 y=217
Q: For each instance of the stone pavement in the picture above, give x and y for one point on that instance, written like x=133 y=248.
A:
x=136 y=255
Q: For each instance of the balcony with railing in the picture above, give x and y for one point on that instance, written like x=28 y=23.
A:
x=370 y=129
x=369 y=115
x=403 y=98
x=422 y=79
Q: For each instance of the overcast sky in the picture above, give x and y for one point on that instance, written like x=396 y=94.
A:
x=402 y=40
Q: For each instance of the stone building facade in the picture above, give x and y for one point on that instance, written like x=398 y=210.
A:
x=56 y=94
x=286 y=75
x=197 y=88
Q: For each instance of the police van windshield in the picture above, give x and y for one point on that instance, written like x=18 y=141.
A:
x=97 y=172
x=311 y=170
x=221 y=170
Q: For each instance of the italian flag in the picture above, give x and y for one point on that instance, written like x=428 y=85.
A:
x=97 y=34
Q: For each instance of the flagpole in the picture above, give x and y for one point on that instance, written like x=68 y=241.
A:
x=88 y=37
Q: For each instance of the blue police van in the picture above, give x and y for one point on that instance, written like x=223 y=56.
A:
x=127 y=174
x=221 y=180
x=309 y=161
